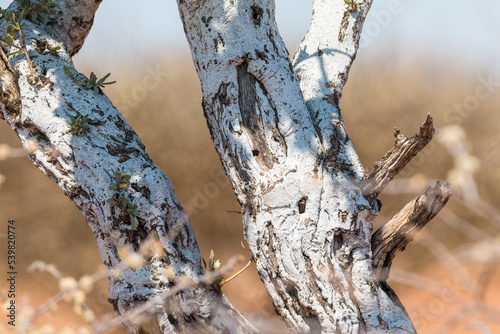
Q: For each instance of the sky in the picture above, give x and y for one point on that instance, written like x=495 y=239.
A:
x=463 y=30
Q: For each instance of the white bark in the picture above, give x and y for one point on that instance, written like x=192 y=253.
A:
x=280 y=136
x=71 y=24
x=292 y=166
x=322 y=63
x=77 y=163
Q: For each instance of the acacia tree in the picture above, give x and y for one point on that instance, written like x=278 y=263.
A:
x=308 y=205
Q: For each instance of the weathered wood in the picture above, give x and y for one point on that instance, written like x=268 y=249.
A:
x=9 y=91
x=395 y=235
x=396 y=159
x=73 y=29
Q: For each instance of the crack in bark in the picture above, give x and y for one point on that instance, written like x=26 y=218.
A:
x=251 y=118
x=10 y=94
x=344 y=25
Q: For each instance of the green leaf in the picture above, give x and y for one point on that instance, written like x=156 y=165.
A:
x=68 y=72
x=133 y=222
x=112 y=202
x=107 y=172
x=105 y=77
x=21 y=14
x=14 y=53
x=123 y=202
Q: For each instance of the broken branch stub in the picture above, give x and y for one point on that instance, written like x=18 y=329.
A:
x=396 y=159
x=394 y=235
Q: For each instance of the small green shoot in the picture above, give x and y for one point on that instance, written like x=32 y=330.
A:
x=92 y=83
x=95 y=84
x=213 y=265
x=12 y=29
x=353 y=5
x=72 y=76
x=78 y=125
x=119 y=181
x=123 y=203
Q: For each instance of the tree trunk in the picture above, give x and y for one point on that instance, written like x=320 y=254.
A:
x=308 y=207
x=280 y=137
x=78 y=163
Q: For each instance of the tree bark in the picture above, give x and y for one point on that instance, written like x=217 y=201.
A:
x=77 y=163
x=280 y=137
x=308 y=209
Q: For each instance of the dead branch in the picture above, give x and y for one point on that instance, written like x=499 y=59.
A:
x=396 y=159
x=394 y=235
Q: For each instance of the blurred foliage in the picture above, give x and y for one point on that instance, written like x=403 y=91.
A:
x=169 y=119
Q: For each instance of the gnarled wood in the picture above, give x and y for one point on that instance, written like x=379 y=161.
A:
x=396 y=159
x=395 y=235
x=9 y=91
x=71 y=24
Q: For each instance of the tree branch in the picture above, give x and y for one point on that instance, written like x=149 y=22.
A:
x=71 y=24
x=306 y=223
x=394 y=235
x=395 y=160
x=322 y=63
x=251 y=98
x=77 y=163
